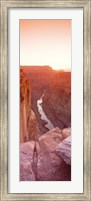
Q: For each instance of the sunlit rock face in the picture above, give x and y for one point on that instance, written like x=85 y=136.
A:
x=27 y=116
x=66 y=132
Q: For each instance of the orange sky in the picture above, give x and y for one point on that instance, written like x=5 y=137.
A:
x=46 y=42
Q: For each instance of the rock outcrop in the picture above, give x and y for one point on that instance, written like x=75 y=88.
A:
x=27 y=165
x=27 y=116
x=57 y=100
x=40 y=161
x=66 y=132
x=49 y=166
x=63 y=150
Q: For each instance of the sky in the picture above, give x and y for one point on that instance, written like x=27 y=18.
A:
x=46 y=42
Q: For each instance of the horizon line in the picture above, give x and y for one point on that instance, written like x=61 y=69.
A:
x=60 y=69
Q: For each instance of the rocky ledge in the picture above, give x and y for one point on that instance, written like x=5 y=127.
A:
x=63 y=150
x=43 y=160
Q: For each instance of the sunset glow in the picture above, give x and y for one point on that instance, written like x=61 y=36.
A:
x=45 y=42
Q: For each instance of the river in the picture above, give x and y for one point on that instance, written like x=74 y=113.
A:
x=48 y=125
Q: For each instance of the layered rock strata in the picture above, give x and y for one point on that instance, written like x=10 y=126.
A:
x=27 y=116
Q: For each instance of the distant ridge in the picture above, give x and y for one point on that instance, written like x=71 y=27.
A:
x=43 y=68
x=37 y=68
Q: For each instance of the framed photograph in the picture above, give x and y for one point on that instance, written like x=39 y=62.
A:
x=45 y=100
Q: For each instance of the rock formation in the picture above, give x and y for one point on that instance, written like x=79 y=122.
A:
x=63 y=150
x=27 y=161
x=57 y=100
x=42 y=163
x=45 y=157
x=55 y=86
x=40 y=78
x=27 y=116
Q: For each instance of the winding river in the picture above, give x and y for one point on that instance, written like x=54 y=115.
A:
x=48 y=124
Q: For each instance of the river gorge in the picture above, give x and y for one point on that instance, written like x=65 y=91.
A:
x=48 y=123
x=45 y=121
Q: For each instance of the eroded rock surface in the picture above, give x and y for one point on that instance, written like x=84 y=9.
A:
x=63 y=150
x=40 y=156
x=27 y=116
x=66 y=132
x=57 y=100
x=27 y=165
x=40 y=162
x=49 y=166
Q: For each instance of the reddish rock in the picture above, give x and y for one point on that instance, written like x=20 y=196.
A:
x=44 y=122
x=66 y=132
x=27 y=116
x=27 y=161
x=63 y=150
x=49 y=166
x=39 y=161
x=57 y=100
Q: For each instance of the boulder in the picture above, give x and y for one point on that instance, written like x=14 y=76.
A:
x=66 y=132
x=63 y=150
x=49 y=166
x=40 y=162
x=27 y=165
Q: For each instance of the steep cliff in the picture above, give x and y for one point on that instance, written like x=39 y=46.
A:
x=56 y=87
x=40 y=78
x=57 y=100
x=45 y=157
x=27 y=116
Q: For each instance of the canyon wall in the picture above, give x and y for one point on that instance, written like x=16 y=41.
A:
x=27 y=116
x=56 y=87
x=45 y=157
x=40 y=78
x=57 y=100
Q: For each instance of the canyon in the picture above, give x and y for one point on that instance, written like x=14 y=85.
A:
x=45 y=124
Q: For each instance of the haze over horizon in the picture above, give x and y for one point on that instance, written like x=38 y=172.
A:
x=46 y=43
x=55 y=69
